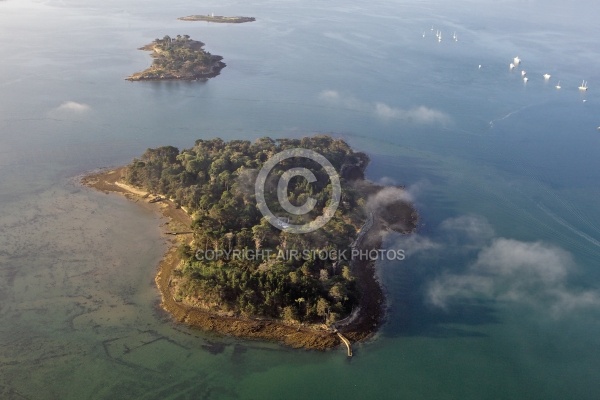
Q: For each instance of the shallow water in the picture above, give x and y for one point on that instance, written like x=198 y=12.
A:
x=490 y=162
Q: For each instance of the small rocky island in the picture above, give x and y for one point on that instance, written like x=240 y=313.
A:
x=231 y=271
x=179 y=58
x=218 y=19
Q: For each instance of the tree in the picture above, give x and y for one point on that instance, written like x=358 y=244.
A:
x=337 y=292
x=333 y=317
x=322 y=307
x=347 y=273
x=294 y=277
x=289 y=314
x=323 y=275
x=261 y=232
x=215 y=179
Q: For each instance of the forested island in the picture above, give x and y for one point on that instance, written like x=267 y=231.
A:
x=218 y=19
x=270 y=294
x=179 y=58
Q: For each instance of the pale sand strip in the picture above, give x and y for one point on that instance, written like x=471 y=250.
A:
x=131 y=189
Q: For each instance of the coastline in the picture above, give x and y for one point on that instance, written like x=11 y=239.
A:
x=296 y=337
x=210 y=68
x=366 y=322
x=218 y=19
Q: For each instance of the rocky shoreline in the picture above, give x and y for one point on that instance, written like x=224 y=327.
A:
x=317 y=337
x=190 y=70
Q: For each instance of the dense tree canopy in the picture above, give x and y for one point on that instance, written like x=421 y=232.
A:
x=214 y=181
x=179 y=58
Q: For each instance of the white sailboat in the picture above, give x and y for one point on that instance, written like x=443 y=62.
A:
x=525 y=79
x=558 y=85
x=583 y=86
x=517 y=61
x=511 y=66
x=455 y=37
x=547 y=76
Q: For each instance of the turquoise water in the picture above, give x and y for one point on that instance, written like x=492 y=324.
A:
x=498 y=298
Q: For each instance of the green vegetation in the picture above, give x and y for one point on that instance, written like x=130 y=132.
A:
x=215 y=180
x=179 y=58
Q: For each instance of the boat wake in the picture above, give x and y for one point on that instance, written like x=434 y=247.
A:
x=570 y=227
x=509 y=115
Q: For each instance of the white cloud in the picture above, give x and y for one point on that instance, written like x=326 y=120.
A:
x=330 y=95
x=387 y=196
x=473 y=227
x=69 y=110
x=414 y=243
x=385 y=111
x=387 y=181
x=72 y=106
x=512 y=258
x=417 y=188
x=416 y=115
x=336 y=98
x=467 y=231
x=510 y=270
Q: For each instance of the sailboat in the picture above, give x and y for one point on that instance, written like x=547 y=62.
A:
x=517 y=60
x=511 y=66
x=547 y=76
x=558 y=85
x=455 y=37
x=583 y=86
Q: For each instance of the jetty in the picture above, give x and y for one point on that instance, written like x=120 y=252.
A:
x=346 y=342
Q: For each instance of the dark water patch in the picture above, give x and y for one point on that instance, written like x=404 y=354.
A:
x=457 y=320
x=214 y=348
x=238 y=353
x=411 y=314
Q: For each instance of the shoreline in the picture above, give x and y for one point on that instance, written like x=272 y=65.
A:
x=219 y=19
x=293 y=336
x=369 y=317
x=211 y=67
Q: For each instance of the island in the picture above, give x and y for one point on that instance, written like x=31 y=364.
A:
x=218 y=19
x=179 y=58
x=233 y=272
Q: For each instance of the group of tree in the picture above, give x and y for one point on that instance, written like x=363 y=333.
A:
x=215 y=182
x=179 y=56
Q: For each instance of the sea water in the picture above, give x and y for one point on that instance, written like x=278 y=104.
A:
x=498 y=296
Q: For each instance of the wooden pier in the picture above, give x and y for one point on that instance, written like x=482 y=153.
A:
x=347 y=343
